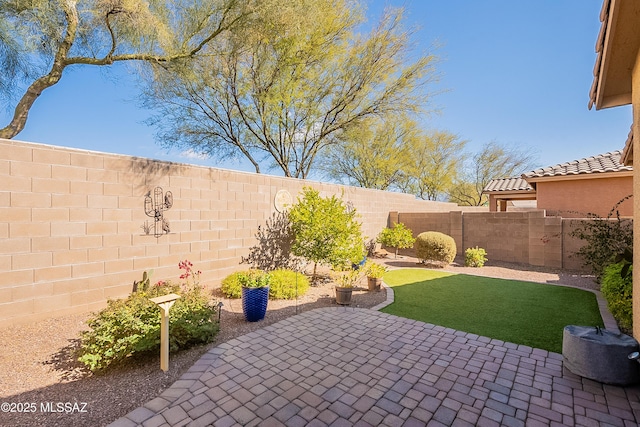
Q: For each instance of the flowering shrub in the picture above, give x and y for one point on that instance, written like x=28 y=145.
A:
x=131 y=326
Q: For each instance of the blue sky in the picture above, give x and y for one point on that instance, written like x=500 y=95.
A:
x=517 y=72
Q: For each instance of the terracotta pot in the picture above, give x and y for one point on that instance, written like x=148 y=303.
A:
x=343 y=295
x=374 y=283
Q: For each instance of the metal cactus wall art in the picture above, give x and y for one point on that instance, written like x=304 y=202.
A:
x=155 y=207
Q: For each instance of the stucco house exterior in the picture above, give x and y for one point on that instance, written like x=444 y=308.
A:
x=617 y=82
x=593 y=185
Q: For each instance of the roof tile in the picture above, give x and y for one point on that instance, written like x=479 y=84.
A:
x=507 y=184
x=608 y=162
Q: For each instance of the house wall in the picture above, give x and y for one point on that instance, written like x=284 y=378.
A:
x=579 y=197
x=527 y=237
x=635 y=97
x=70 y=224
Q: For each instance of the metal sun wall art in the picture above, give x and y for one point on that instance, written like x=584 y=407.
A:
x=155 y=207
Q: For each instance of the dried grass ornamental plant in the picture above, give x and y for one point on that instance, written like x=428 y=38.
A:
x=131 y=327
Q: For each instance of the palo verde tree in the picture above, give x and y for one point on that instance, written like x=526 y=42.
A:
x=40 y=39
x=493 y=161
x=435 y=162
x=283 y=90
x=325 y=230
x=374 y=154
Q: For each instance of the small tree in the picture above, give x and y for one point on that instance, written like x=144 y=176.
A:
x=398 y=237
x=325 y=230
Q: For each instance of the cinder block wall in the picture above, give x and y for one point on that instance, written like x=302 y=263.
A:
x=71 y=224
x=519 y=237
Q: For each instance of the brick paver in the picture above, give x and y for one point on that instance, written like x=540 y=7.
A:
x=347 y=366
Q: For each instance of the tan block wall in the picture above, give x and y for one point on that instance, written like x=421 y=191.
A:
x=527 y=237
x=577 y=198
x=70 y=224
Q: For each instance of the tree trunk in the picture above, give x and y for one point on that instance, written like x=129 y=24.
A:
x=26 y=102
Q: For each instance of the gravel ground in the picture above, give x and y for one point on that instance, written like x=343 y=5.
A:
x=39 y=373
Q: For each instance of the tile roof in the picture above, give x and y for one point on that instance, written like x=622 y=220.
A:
x=507 y=184
x=604 y=19
x=608 y=162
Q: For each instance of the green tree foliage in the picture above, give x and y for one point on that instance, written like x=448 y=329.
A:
x=493 y=161
x=284 y=89
x=374 y=154
x=39 y=39
x=398 y=237
x=435 y=163
x=325 y=230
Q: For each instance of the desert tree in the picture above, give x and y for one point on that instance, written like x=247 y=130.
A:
x=493 y=161
x=374 y=154
x=436 y=159
x=40 y=39
x=283 y=90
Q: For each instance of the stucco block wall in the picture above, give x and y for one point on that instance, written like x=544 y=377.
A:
x=577 y=198
x=528 y=237
x=71 y=224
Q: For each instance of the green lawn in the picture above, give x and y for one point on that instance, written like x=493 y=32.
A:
x=526 y=313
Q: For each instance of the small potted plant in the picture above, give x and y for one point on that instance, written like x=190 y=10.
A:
x=345 y=281
x=255 y=294
x=374 y=273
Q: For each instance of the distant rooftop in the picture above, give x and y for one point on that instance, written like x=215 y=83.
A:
x=507 y=184
x=608 y=162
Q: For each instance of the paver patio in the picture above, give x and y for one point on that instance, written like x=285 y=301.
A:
x=346 y=366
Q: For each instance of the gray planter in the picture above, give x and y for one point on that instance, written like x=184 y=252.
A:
x=600 y=355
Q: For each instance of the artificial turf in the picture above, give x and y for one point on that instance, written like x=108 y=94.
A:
x=526 y=313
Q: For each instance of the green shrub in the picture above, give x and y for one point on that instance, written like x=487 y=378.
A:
x=475 y=257
x=283 y=284
x=617 y=291
x=132 y=325
x=604 y=238
x=398 y=237
x=254 y=279
x=231 y=286
x=435 y=247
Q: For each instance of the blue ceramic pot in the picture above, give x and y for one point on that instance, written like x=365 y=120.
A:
x=254 y=303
